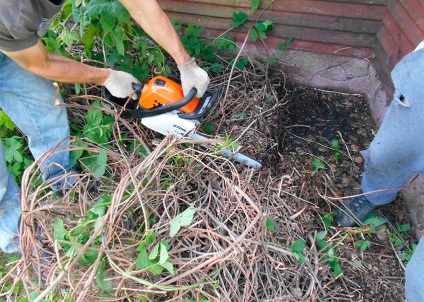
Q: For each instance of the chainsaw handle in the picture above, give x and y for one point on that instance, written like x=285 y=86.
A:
x=141 y=112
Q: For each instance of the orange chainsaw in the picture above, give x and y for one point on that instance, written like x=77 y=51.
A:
x=162 y=107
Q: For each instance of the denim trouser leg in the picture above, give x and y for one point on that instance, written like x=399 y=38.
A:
x=396 y=152
x=29 y=100
x=414 y=275
x=10 y=207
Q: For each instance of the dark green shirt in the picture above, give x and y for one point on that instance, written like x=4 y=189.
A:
x=23 y=22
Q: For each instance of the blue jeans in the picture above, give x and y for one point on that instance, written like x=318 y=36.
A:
x=29 y=100
x=414 y=275
x=397 y=153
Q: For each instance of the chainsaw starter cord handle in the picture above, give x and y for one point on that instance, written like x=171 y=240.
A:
x=141 y=112
x=192 y=76
x=119 y=84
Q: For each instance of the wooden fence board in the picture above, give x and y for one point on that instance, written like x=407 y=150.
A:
x=293 y=19
x=286 y=31
x=404 y=21
x=307 y=7
x=415 y=9
x=402 y=41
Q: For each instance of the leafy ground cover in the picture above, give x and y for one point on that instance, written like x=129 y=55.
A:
x=174 y=222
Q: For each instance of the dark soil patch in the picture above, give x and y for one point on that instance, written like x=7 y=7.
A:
x=302 y=132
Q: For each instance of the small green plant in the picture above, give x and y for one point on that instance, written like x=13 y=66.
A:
x=336 y=149
x=329 y=251
x=269 y=224
x=297 y=248
x=72 y=240
x=318 y=165
x=362 y=244
x=158 y=259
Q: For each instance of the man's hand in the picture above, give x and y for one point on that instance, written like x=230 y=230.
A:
x=119 y=84
x=192 y=76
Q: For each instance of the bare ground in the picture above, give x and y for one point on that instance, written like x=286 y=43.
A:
x=239 y=244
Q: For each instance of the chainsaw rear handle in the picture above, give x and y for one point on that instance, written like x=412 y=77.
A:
x=141 y=112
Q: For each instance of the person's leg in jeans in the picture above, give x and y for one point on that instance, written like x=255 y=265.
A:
x=10 y=208
x=29 y=101
x=414 y=275
x=396 y=152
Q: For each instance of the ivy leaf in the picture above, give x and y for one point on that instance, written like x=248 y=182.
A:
x=183 y=219
x=239 y=19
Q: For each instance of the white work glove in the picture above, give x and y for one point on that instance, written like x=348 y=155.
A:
x=119 y=84
x=192 y=76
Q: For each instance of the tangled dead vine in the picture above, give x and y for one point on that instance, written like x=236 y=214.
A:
x=225 y=254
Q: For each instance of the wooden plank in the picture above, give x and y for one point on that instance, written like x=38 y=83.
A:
x=383 y=70
x=293 y=19
x=405 y=22
x=399 y=37
x=378 y=2
x=323 y=22
x=392 y=51
x=415 y=8
x=312 y=7
x=285 y=31
x=309 y=46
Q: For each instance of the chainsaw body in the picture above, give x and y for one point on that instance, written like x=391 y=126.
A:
x=162 y=107
x=165 y=94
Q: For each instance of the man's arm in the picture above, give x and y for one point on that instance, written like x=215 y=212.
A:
x=37 y=60
x=149 y=15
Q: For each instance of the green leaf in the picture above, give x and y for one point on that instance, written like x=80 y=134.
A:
x=169 y=266
x=255 y=5
x=94 y=117
x=239 y=19
x=253 y=35
x=374 y=220
x=154 y=252
x=269 y=224
x=403 y=227
x=6 y=121
x=108 y=9
x=183 y=219
x=142 y=259
x=298 y=246
x=208 y=127
x=13 y=148
x=69 y=37
x=363 y=245
x=101 y=163
x=163 y=257
x=286 y=44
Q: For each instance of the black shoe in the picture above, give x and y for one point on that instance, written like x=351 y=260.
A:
x=353 y=211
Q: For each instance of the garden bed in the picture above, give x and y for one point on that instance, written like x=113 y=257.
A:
x=255 y=235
